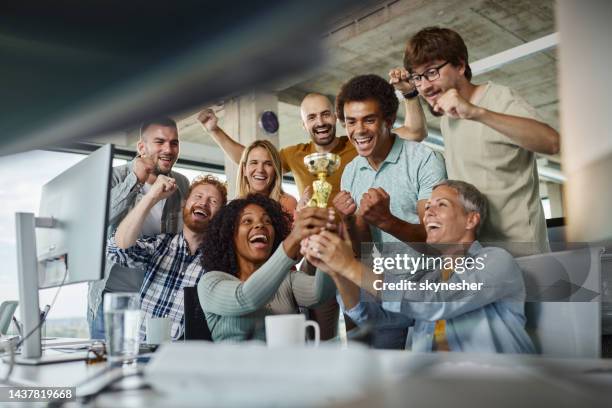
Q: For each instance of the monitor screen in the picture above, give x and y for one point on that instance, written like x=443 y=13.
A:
x=73 y=249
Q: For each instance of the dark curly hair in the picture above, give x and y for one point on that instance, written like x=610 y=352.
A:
x=363 y=87
x=218 y=252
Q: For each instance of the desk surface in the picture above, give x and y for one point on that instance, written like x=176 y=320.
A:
x=436 y=380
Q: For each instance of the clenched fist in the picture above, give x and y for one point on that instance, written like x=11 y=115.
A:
x=453 y=105
x=209 y=120
x=163 y=188
x=142 y=168
x=398 y=77
x=374 y=207
x=344 y=203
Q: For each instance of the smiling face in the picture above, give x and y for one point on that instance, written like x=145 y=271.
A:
x=366 y=128
x=259 y=171
x=446 y=221
x=201 y=205
x=160 y=144
x=318 y=119
x=450 y=77
x=254 y=235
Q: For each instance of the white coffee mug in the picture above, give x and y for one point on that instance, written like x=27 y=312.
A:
x=158 y=330
x=289 y=330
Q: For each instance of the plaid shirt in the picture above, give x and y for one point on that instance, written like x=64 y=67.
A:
x=169 y=267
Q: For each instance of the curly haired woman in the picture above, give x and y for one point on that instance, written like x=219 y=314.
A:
x=250 y=252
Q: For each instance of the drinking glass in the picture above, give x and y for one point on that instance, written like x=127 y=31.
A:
x=122 y=326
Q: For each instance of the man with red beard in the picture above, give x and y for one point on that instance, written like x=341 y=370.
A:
x=158 y=150
x=170 y=261
x=490 y=135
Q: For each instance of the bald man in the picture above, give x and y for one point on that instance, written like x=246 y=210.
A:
x=318 y=119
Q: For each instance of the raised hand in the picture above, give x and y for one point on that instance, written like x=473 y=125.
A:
x=143 y=167
x=453 y=105
x=329 y=252
x=163 y=188
x=344 y=203
x=209 y=120
x=308 y=221
x=306 y=195
x=374 y=207
x=398 y=77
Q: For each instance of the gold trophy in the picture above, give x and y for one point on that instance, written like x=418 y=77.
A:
x=321 y=165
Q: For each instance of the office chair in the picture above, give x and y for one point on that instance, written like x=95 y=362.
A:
x=196 y=327
x=563 y=308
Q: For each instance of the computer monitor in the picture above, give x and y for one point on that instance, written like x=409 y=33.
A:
x=66 y=243
x=77 y=200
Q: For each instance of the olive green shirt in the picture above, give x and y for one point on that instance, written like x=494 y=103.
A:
x=503 y=171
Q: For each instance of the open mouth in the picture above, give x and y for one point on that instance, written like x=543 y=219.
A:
x=363 y=141
x=322 y=131
x=259 y=241
x=260 y=177
x=432 y=226
x=166 y=160
x=200 y=213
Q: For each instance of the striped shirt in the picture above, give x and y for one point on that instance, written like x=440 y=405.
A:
x=169 y=267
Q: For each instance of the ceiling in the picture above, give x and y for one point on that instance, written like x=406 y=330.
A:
x=372 y=38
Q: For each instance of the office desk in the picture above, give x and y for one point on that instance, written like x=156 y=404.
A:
x=402 y=379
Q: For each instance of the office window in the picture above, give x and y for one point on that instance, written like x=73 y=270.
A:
x=20 y=189
x=546 y=206
x=23 y=176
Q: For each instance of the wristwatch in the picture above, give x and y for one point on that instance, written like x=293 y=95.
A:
x=411 y=95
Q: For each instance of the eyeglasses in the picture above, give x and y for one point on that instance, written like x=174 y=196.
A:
x=96 y=353
x=431 y=74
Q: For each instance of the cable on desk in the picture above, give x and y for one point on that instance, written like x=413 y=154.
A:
x=25 y=337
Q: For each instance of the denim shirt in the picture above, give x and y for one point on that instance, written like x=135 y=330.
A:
x=488 y=320
x=125 y=194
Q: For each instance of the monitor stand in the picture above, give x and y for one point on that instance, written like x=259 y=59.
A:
x=27 y=267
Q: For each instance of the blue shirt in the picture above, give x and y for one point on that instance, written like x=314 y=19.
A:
x=169 y=267
x=408 y=174
x=488 y=320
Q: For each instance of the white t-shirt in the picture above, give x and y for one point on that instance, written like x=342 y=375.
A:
x=152 y=224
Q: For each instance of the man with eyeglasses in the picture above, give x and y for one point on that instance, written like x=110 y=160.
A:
x=490 y=135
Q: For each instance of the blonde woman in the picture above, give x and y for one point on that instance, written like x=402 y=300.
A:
x=260 y=172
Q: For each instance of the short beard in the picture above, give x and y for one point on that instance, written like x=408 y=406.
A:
x=159 y=171
x=332 y=133
x=197 y=227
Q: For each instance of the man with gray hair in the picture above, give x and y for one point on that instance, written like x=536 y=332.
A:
x=472 y=299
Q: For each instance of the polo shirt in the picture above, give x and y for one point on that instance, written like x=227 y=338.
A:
x=408 y=174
